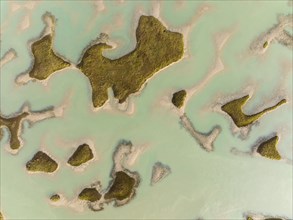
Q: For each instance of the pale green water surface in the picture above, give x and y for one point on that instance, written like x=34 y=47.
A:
x=215 y=185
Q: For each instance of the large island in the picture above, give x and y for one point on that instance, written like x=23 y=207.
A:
x=156 y=48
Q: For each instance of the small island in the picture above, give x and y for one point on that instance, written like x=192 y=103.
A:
x=13 y=124
x=234 y=110
x=262 y=217
x=82 y=155
x=41 y=162
x=46 y=62
x=122 y=187
x=268 y=149
x=90 y=194
x=55 y=198
x=266 y=44
x=179 y=98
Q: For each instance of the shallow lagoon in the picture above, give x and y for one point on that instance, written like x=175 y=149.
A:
x=215 y=185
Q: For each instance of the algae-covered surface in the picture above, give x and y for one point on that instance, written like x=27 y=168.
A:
x=82 y=154
x=178 y=98
x=89 y=194
x=268 y=148
x=41 y=162
x=234 y=110
x=127 y=58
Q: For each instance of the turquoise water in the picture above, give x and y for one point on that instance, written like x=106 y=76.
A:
x=216 y=185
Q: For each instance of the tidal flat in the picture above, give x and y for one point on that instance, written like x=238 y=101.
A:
x=55 y=198
x=277 y=33
x=159 y=172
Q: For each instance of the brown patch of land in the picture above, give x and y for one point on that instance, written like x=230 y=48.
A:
x=55 y=198
x=268 y=149
x=46 y=62
x=13 y=124
x=90 y=194
x=121 y=188
x=234 y=110
x=179 y=98
x=82 y=154
x=41 y=162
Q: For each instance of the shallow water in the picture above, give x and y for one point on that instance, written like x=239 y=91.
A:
x=215 y=185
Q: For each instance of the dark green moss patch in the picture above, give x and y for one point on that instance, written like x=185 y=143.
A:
x=89 y=194
x=82 y=154
x=156 y=48
x=265 y=218
x=46 y=61
x=1 y=132
x=234 y=109
x=41 y=162
x=273 y=219
x=122 y=187
x=265 y=45
x=13 y=124
x=55 y=198
x=268 y=149
x=179 y=98
x=250 y=218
